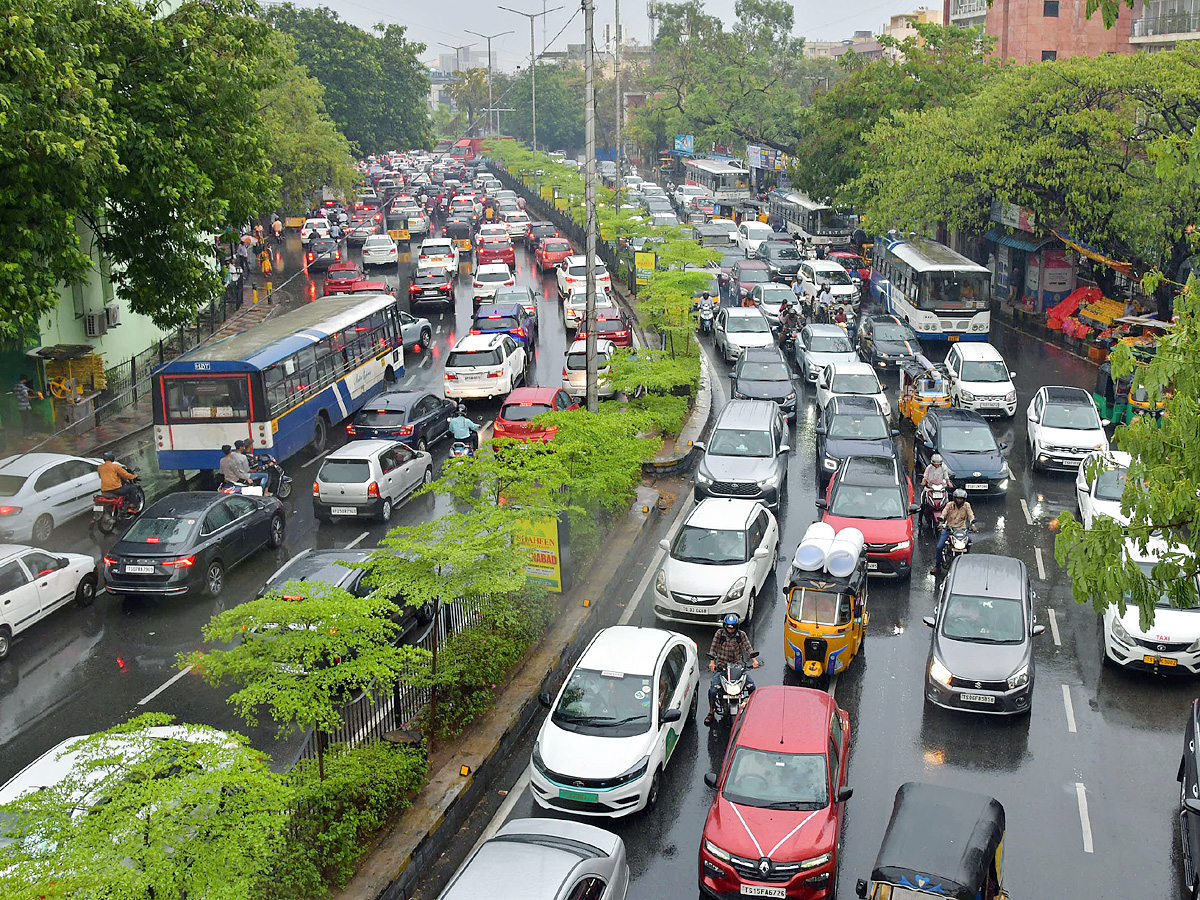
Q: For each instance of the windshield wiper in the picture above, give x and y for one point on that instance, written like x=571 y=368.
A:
x=609 y=722
x=793 y=804
x=583 y=720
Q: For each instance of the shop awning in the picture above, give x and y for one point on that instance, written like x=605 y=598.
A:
x=1021 y=241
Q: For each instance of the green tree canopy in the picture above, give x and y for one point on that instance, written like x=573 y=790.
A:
x=559 y=108
x=469 y=91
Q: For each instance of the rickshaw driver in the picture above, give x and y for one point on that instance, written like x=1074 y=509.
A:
x=729 y=645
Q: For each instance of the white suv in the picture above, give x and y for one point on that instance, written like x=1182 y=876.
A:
x=319 y=225
x=574 y=271
x=1171 y=642
x=490 y=277
x=980 y=380
x=438 y=252
x=484 y=365
x=1064 y=427
x=851 y=379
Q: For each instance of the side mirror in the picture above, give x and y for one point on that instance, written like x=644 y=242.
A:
x=710 y=778
x=670 y=715
x=61 y=563
x=1105 y=422
x=929 y=620
x=544 y=699
x=845 y=794
x=820 y=429
x=1003 y=445
x=699 y=445
x=761 y=553
x=895 y=432
x=665 y=544
x=1192 y=805
x=860 y=887
x=785 y=448
x=1012 y=374
x=928 y=445
x=1039 y=629
x=914 y=508
x=822 y=504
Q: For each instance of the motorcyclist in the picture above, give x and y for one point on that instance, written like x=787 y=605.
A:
x=955 y=515
x=937 y=473
x=463 y=429
x=253 y=471
x=729 y=645
x=705 y=306
x=115 y=479
x=789 y=321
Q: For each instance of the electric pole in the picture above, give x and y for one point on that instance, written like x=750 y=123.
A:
x=620 y=110
x=488 y=38
x=533 y=58
x=458 y=54
x=589 y=122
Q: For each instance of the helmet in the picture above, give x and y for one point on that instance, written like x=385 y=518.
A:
x=731 y=622
x=937 y=459
x=706 y=295
x=462 y=409
x=109 y=456
x=960 y=494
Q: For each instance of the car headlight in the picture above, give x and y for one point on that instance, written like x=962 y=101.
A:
x=967 y=395
x=830 y=463
x=634 y=772
x=702 y=477
x=735 y=592
x=791 y=396
x=903 y=545
x=1010 y=397
x=660 y=582
x=1005 y=471
x=1194 y=646
x=1119 y=632
x=815 y=861
x=939 y=672
x=716 y=851
x=768 y=481
x=1019 y=678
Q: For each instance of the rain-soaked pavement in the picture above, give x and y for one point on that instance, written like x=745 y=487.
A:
x=1109 y=737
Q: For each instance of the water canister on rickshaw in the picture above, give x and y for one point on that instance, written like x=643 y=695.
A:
x=843 y=553
x=810 y=555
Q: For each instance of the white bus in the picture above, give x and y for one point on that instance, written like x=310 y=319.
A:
x=817 y=223
x=727 y=182
x=943 y=295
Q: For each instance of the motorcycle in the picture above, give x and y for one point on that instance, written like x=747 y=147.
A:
x=933 y=500
x=278 y=484
x=460 y=449
x=731 y=693
x=706 y=316
x=108 y=509
x=958 y=544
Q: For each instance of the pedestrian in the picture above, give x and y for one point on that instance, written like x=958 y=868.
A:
x=264 y=263
x=25 y=395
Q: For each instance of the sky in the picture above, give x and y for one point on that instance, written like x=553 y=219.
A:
x=438 y=23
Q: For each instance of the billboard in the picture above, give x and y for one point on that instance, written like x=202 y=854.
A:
x=542 y=537
x=685 y=143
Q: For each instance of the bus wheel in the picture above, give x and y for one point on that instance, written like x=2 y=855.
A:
x=389 y=375
x=320 y=434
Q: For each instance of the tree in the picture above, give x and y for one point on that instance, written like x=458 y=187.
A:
x=469 y=92
x=559 y=108
x=172 y=811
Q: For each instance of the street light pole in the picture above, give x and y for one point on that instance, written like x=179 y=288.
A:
x=620 y=110
x=589 y=124
x=488 y=38
x=457 y=53
x=533 y=58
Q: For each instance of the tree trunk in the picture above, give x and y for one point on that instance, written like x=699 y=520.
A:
x=433 y=691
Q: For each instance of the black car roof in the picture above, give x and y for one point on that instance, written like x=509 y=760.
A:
x=396 y=400
x=989 y=575
x=320 y=565
x=843 y=404
x=182 y=503
x=1067 y=395
x=762 y=354
x=869 y=470
x=956 y=414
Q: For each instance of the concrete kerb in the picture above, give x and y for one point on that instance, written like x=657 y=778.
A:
x=696 y=426
x=424 y=831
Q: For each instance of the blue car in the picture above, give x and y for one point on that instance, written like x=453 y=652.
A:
x=506 y=318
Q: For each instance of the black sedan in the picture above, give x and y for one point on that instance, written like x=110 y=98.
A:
x=884 y=340
x=416 y=417
x=1189 y=800
x=185 y=543
x=539 y=230
x=852 y=426
x=969 y=449
x=433 y=284
x=321 y=254
x=761 y=373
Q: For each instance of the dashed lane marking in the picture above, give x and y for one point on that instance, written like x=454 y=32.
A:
x=316 y=458
x=1054 y=627
x=162 y=687
x=1066 y=689
x=640 y=591
x=1025 y=509
x=1037 y=554
x=1084 y=822
x=358 y=540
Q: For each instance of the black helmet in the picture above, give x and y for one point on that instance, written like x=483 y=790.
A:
x=960 y=494
x=109 y=456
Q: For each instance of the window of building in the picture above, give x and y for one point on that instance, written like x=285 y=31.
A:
x=1050 y=9
x=1049 y=55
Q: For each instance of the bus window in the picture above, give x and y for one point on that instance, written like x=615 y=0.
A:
x=189 y=399
x=276 y=389
x=326 y=365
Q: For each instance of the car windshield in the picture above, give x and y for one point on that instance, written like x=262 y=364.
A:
x=830 y=343
x=991 y=370
x=1164 y=602
x=709 y=545
x=496 y=323
x=1071 y=416
x=488 y=277
x=381 y=418
x=851 y=426
x=983 y=620
x=772 y=370
x=577 y=362
x=432 y=275
x=1110 y=483
x=773 y=780
x=858 y=501
x=866 y=383
x=819 y=607
x=967 y=439
x=159 y=531
x=893 y=331
x=556 y=246
x=783 y=253
x=345 y=471
x=609 y=704
x=833 y=276
x=754 y=276
x=523 y=412
x=736 y=442
x=755 y=324
x=10 y=485
x=778 y=294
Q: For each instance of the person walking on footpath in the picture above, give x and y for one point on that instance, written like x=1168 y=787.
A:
x=25 y=395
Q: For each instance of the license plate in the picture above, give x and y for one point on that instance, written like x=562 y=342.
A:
x=139 y=570
x=872 y=566
x=579 y=796
x=953 y=337
x=1159 y=661
x=977 y=486
x=977 y=698
x=97 y=509
x=343 y=511
x=763 y=890
x=470 y=377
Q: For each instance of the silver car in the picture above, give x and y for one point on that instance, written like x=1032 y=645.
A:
x=544 y=859
x=739 y=327
x=368 y=478
x=819 y=346
x=40 y=491
x=746 y=455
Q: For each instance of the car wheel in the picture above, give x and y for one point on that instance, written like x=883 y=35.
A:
x=277 y=532
x=427 y=477
x=5 y=641
x=423 y=445
x=385 y=511
x=426 y=338
x=750 y=607
x=655 y=788
x=1105 y=661
x=694 y=706
x=43 y=528
x=85 y=591
x=214 y=578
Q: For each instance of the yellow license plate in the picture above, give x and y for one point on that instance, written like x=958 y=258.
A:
x=1159 y=661
x=953 y=337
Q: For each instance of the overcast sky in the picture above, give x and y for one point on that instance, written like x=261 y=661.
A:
x=438 y=22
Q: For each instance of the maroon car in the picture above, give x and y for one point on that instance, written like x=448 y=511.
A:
x=745 y=275
x=613 y=327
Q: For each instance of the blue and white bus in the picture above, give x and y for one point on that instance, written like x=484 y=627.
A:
x=817 y=223
x=283 y=383
x=943 y=295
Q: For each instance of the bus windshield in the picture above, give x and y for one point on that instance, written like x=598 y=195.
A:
x=828 y=220
x=953 y=291
x=209 y=398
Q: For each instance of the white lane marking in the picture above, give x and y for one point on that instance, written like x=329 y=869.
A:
x=514 y=795
x=354 y=543
x=1069 y=708
x=162 y=687
x=1025 y=509
x=1054 y=627
x=1084 y=822
x=658 y=555
x=1037 y=554
x=316 y=458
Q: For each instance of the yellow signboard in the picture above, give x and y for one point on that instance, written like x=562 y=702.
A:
x=527 y=179
x=547 y=193
x=561 y=203
x=294 y=221
x=399 y=234
x=644 y=261
x=545 y=557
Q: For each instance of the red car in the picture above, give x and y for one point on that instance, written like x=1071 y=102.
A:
x=615 y=328
x=366 y=287
x=523 y=405
x=341 y=276
x=870 y=493
x=551 y=252
x=497 y=248
x=853 y=264
x=772 y=829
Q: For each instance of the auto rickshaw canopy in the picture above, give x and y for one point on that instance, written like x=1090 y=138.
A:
x=940 y=840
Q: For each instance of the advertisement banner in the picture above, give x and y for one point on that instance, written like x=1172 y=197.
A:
x=754 y=158
x=541 y=536
x=1020 y=217
x=561 y=203
x=685 y=143
x=644 y=261
x=547 y=193
x=294 y=221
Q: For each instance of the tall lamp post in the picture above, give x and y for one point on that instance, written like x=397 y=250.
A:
x=488 y=38
x=533 y=57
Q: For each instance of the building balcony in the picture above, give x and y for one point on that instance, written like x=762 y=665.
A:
x=1166 y=28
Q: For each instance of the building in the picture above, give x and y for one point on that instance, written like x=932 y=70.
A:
x=439 y=89
x=901 y=26
x=1029 y=31
x=1159 y=24
x=824 y=49
x=467 y=59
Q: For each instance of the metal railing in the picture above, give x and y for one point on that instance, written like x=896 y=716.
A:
x=1185 y=22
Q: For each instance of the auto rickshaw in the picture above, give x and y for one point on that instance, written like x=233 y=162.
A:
x=940 y=842
x=825 y=621
x=460 y=233
x=922 y=387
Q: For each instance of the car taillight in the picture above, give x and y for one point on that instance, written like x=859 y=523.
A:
x=373 y=490
x=447 y=286
x=183 y=562
x=350 y=429
x=404 y=430
x=564 y=371
x=475 y=331
x=9 y=510
x=316 y=490
x=337 y=254
x=449 y=376
x=496 y=374
x=311 y=257
x=109 y=561
x=413 y=288
x=521 y=332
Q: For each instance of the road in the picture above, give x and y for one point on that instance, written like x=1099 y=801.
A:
x=1088 y=781
x=82 y=671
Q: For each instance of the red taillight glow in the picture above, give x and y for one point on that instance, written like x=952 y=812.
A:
x=109 y=561
x=475 y=331
x=521 y=332
x=183 y=562
x=373 y=490
x=413 y=288
x=350 y=429
x=292 y=597
x=404 y=430
x=449 y=376
x=311 y=256
x=316 y=490
x=9 y=510
x=495 y=374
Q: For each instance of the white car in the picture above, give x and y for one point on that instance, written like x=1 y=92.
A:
x=368 y=478
x=980 y=379
x=488 y=278
x=815 y=272
x=1064 y=427
x=1101 y=496
x=616 y=723
x=820 y=345
x=855 y=379
x=685 y=192
x=379 y=250
x=438 y=252
x=40 y=491
x=517 y=223
x=484 y=365
x=749 y=235
x=575 y=306
x=718 y=562
x=1173 y=639
x=573 y=271
x=574 y=373
x=492 y=228
x=35 y=583
x=739 y=327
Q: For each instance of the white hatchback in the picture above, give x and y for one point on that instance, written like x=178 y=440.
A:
x=615 y=724
x=854 y=379
x=490 y=277
x=438 y=252
x=1101 y=495
x=718 y=562
x=379 y=250
x=484 y=365
x=1171 y=642
x=980 y=379
x=40 y=491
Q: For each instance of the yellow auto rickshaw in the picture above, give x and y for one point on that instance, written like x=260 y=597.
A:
x=460 y=233
x=922 y=387
x=826 y=618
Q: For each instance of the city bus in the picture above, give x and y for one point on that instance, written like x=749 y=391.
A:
x=283 y=383
x=727 y=182
x=817 y=223
x=943 y=295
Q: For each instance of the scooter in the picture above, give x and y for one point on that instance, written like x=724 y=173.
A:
x=460 y=449
x=707 y=313
x=731 y=693
x=958 y=544
x=278 y=484
x=108 y=509
x=933 y=501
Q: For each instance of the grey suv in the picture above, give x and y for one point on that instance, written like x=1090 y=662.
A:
x=746 y=455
